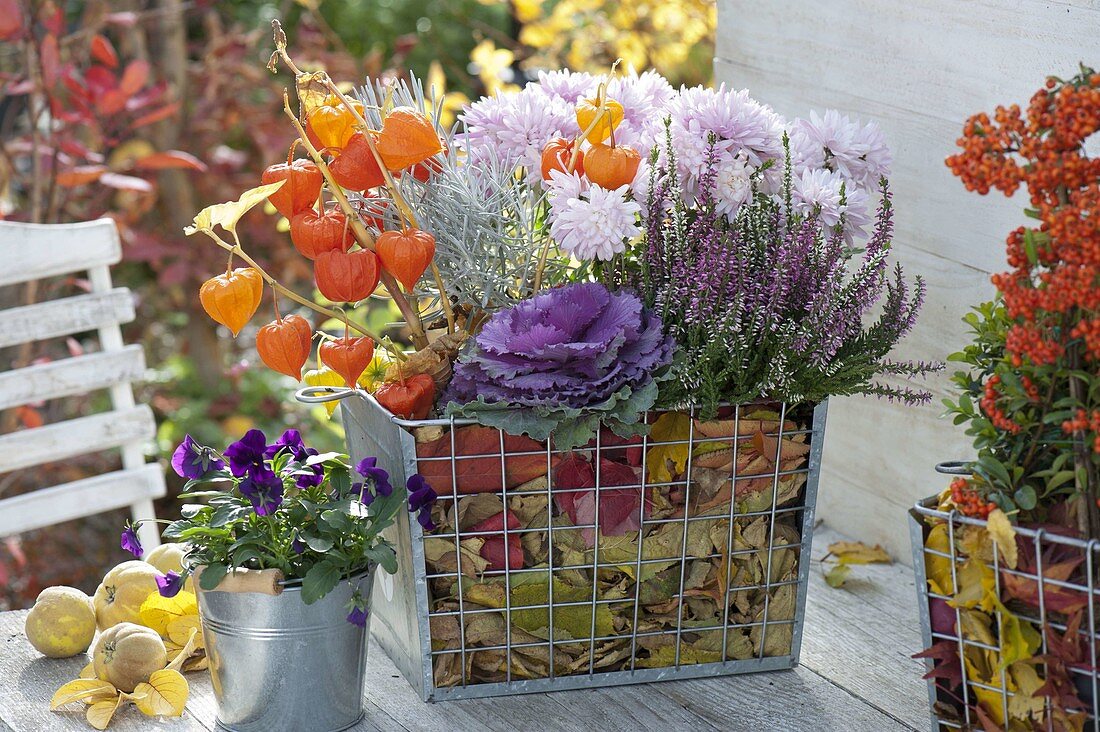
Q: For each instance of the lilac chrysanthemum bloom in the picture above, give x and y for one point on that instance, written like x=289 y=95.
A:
x=192 y=460
x=247 y=454
x=835 y=201
x=516 y=127
x=838 y=143
x=561 y=363
x=732 y=185
x=358 y=612
x=644 y=99
x=739 y=124
x=170 y=584
x=130 y=541
x=569 y=86
x=590 y=222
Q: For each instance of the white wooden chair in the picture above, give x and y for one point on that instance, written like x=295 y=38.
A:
x=33 y=251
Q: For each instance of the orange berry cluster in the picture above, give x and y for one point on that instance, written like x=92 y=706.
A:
x=989 y=405
x=1053 y=289
x=1085 y=422
x=969 y=501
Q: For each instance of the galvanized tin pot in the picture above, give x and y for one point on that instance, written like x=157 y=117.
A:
x=279 y=665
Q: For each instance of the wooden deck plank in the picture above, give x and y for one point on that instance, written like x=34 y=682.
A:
x=28 y=680
x=856 y=675
x=861 y=636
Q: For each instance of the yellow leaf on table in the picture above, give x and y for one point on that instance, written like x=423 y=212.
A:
x=669 y=427
x=88 y=672
x=180 y=654
x=157 y=611
x=856 y=552
x=1003 y=535
x=838 y=575
x=164 y=695
x=99 y=714
x=184 y=630
x=85 y=690
x=229 y=213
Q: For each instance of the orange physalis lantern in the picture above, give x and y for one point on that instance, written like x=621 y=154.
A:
x=284 y=345
x=303 y=185
x=314 y=234
x=356 y=169
x=346 y=276
x=332 y=125
x=586 y=113
x=612 y=167
x=406 y=254
x=233 y=297
x=348 y=357
x=407 y=138
x=556 y=156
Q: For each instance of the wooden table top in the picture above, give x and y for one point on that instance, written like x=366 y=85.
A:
x=855 y=675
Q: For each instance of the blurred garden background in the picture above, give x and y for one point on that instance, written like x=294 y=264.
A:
x=147 y=111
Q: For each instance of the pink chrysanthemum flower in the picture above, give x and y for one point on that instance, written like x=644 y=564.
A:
x=590 y=222
x=838 y=143
x=516 y=127
x=834 y=199
x=569 y=86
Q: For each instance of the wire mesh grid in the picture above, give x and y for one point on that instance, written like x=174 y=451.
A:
x=551 y=569
x=1026 y=660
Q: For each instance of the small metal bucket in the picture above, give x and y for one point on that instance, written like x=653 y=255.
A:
x=277 y=664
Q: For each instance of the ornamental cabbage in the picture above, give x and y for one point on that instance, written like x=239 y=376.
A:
x=562 y=363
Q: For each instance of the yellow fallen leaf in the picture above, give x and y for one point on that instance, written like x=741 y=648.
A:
x=180 y=655
x=164 y=695
x=669 y=427
x=157 y=611
x=838 y=575
x=229 y=213
x=856 y=552
x=90 y=690
x=1003 y=535
x=88 y=672
x=100 y=713
x=184 y=630
x=937 y=569
x=324 y=377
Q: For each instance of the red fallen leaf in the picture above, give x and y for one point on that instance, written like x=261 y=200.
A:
x=164 y=112
x=104 y=52
x=493 y=548
x=481 y=475
x=619 y=507
x=1059 y=563
x=53 y=17
x=170 y=159
x=126 y=182
x=80 y=175
x=29 y=417
x=619 y=449
x=49 y=57
x=945 y=657
x=110 y=102
x=134 y=77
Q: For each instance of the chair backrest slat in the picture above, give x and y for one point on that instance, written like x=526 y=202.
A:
x=70 y=376
x=81 y=436
x=32 y=252
x=65 y=316
x=45 y=250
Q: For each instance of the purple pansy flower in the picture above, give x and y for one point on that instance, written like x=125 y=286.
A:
x=297 y=544
x=358 y=610
x=291 y=441
x=264 y=489
x=130 y=541
x=169 y=584
x=246 y=455
x=421 y=498
x=368 y=468
x=425 y=519
x=192 y=460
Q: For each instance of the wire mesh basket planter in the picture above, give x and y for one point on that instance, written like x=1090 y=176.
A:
x=698 y=566
x=1046 y=604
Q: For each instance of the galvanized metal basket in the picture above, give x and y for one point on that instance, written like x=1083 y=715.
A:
x=1058 y=570
x=457 y=628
